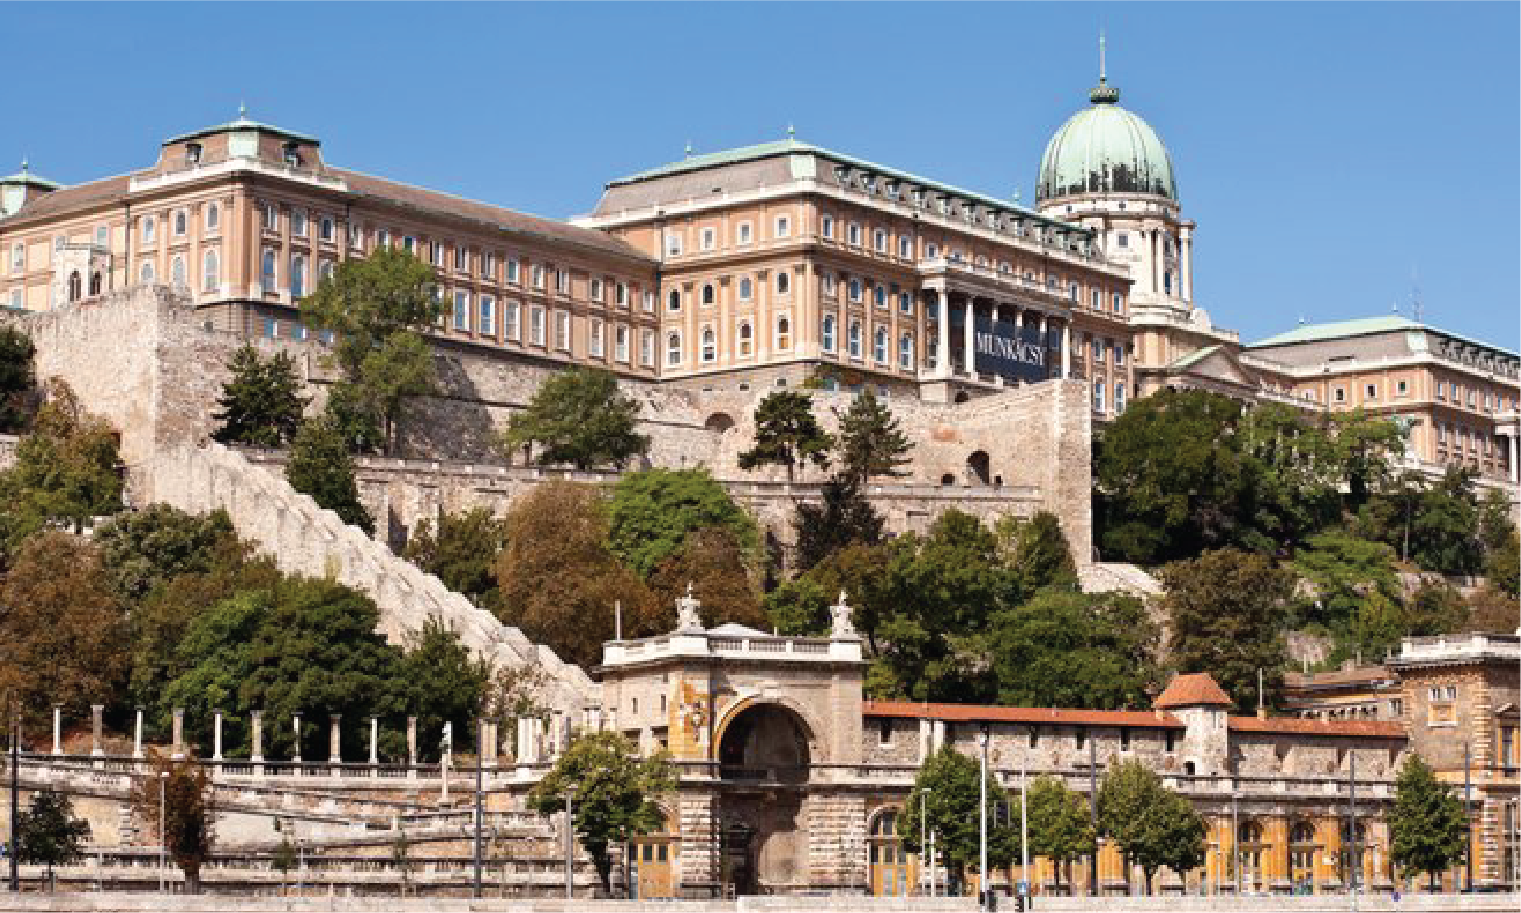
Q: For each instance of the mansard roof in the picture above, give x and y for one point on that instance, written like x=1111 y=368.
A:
x=1034 y=716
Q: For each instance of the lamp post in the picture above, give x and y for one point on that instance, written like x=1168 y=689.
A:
x=982 y=823
x=570 y=832
x=480 y=749
x=1024 y=830
x=15 y=792
x=163 y=845
x=923 y=835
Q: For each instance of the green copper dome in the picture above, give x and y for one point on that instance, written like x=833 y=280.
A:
x=1105 y=149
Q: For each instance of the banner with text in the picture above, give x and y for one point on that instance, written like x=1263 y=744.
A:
x=1014 y=353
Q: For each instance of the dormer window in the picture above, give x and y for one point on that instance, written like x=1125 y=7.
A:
x=193 y=153
x=292 y=155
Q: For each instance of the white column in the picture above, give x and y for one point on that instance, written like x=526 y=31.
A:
x=942 y=334
x=178 y=749
x=334 y=741
x=966 y=332
x=57 y=729
x=137 y=735
x=374 y=741
x=1155 y=247
x=1067 y=347
x=216 y=736
x=295 y=726
x=97 y=711
x=1045 y=341
x=256 y=724
x=1514 y=477
x=1186 y=267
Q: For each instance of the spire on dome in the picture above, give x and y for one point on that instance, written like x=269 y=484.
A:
x=1103 y=93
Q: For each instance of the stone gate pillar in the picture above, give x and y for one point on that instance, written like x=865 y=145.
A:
x=334 y=743
x=256 y=723
x=57 y=729
x=411 y=746
x=96 y=712
x=137 y=734
x=216 y=736
x=296 y=727
x=177 y=747
x=374 y=741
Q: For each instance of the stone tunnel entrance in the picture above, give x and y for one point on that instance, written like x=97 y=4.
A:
x=763 y=759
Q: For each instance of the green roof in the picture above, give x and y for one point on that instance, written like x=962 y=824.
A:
x=25 y=176
x=1194 y=358
x=242 y=123
x=1362 y=326
x=793 y=146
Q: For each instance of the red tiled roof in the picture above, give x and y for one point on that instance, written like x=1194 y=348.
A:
x=408 y=195
x=1194 y=689
x=1037 y=715
x=1367 y=729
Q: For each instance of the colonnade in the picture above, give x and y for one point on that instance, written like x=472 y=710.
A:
x=1021 y=315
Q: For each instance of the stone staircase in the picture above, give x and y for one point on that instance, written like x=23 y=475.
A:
x=1113 y=576
x=306 y=539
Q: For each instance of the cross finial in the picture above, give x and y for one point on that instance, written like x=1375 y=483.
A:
x=1102 y=47
x=689 y=589
x=25 y=166
x=791 y=131
x=242 y=110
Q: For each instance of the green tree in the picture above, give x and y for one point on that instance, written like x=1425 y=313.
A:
x=870 y=441
x=355 y=417
x=1445 y=534
x=142 y=550
x=183 y=789
x=1225 y=609
x=461 y=552
x=1153 y=827
x=799 y=607
x=283 y=860
x=651 y=514
x=613 y=793
x=787 y=434
x=1065 y=649
x=377 y=309
x=1061 y=828
x=49 y=834
x=1037 y=553
x=67 y=471
x=844 y=518
x=261 y=402
x=1503 y=566
x=1294 y=489
x=444 y=682
x=579 y=417
x=947 y=787
x=61 y=627
x=1429 y=829
x=1363 y=448
x=16 y=379
x=713 y=563
x=320 y=466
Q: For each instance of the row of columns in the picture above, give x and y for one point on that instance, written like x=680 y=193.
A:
x=537 y=739
x=943 y=366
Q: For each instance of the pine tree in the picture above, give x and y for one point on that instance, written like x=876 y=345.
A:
x=787 y=434
x=845 y=518
x=871 y=442
x=48 y=833
x=320 y=466
x=1429 y=828
x=261 y=403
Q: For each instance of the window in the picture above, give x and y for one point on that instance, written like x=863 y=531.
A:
x=885 y=737
x=906 y=352
x=562 y=331
x=594 y=339
x=356 y=237
x=383 y=238
x=783 y=333
x=709 y=239
x=673 y=300
x=76 y=286
x=620 y=344
x=783 y=282
x=514 y=275
x=536 y=325
x=1116 y=303
x=620 y=295
x=854 y=339
x=325 y=230
x=177 y=271
x=1073 y=292
x=746 y=339
x=647 y=348
x=97 y=285
x=271 y=328
x=708 y=294
x=538 y=277
x=746 y=288
x=594 y=290
x=510 y=328
x=826 y=226
x=1098 y=396
x=1341 y=394
x=1096 y=299
x=931 y=251
x=744 y=233
x=783 y=227
x=18 y=257
x=649 y=302
x=298 y=223
x=210 y=281
x=853 y=235
x=879 y=241
x=1119 y=397
x=1098 y=349
x=486 y=322
x=856 y=290
x=828 y=282
x=1472 y=397
x=709 y=345
x=268 y=271
x=145 y=272
x=826 y=333
x=488 y=266
x=409 y=244
x=879 y=345
x=149 y=229
x=1441 y=390
x=1124 y=738
x=213 y=216
x=297 y=276
x=879 y=295
x=1122 y=239
x=1119 y=353
x=562 y=281
x=905 y=247
x=16 y=302
x=324 y=271
x=672 y=242
x=673 y=348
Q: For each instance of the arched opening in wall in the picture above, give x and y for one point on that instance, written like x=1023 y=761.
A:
x=763 y=756
x=961 y=396
x=1249 y=848
x=978 y=468
x=766 y=742
x=76 y=288
x=719 y=422
x=948 y=480
x=1302 y=853
x=96 y=284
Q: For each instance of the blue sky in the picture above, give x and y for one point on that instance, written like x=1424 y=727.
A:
x=1327 y=151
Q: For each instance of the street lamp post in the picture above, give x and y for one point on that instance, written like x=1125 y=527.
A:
x=15 y=794
x=570 y=830
x=1024 y=831
x=923 y=836
x=480 y=749
x=982 y=823
x=163 y=845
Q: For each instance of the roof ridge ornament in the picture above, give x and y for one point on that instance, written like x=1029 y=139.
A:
x=1103 y=93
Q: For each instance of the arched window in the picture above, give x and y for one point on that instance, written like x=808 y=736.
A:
x=1302 y=850
x=213 y=216
x=76 y=286
x=210 y=279
x=673 y=348
x=887 y=858
x=746 y=338
x=745 y=289
x=150 y=229
x=177 y=271
x=145 y=272
x=297 y=276
x=674 y=300
x=783 y=283
x=855 y=290
x=879 y=345
x=97 y=284
x=181 y=222
x=880 y=295
x=707 y=294
x=709 y=344
x=783 y=333
x=906 y=352
x=826 y=333
x=855 y=339
x=268 y=270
